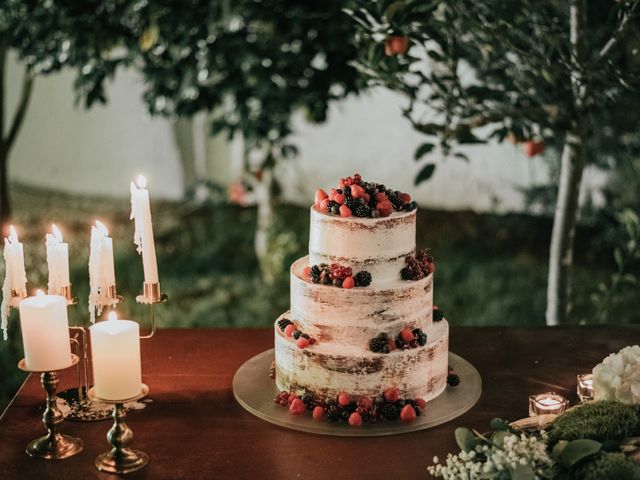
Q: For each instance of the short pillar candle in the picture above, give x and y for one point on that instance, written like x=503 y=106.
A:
x=115 y=351
x=45 y=333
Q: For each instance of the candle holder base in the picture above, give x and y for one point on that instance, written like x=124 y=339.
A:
x=151 y=294
x=53 y=445
x=120 y=459
x=80 y=408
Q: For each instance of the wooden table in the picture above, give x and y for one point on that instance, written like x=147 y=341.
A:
x=194 y=429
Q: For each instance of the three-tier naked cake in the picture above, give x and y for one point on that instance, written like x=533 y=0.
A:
x=361 y=329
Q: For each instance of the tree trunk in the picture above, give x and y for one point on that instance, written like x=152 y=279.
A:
x=264 y=201
x=564 y=226
x=572 y=166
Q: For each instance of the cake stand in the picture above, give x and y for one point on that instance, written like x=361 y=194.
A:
x=255 y=390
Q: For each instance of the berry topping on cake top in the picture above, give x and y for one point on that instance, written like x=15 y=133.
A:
x=356 y=198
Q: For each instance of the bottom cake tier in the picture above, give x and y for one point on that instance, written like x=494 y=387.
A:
x=327 y=370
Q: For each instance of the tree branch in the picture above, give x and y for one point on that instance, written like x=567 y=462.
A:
x=621 y=31
x=18 y=118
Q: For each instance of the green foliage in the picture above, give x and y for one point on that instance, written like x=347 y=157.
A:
x=626 y=255
x=606 y=465
x=485 y=71
x=252 y=63
x=600 y=421
x=568 y=454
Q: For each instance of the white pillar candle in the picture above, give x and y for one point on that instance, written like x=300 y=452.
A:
x=45 y=332
x=15 y=279
x=102 y=273
x=115 y=352
x=143 y=233
x=57 y=261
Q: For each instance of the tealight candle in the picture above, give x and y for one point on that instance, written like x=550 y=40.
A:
x=115 y=351
x=585 y=387
x=57 y=261
x=143 y=229
x=547 y=403
x=45 y=332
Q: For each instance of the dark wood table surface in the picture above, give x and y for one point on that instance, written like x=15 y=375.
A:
x=194 y=429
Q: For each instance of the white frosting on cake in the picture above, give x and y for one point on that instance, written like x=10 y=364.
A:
x=325 y=370
x=346 y=317
x=377 y=245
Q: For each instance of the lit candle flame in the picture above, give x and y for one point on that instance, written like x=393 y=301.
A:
x=101 y=228
x=13 y=234
x=56 y=232
x=39 y=293
x=113 y=316
x=141 y=181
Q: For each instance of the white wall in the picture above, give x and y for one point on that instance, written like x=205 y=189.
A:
x=65 y=147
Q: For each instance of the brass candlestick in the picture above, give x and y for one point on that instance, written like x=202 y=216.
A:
x=151 y=294
x=66 y=293
x=53 y=445
x=120 y=459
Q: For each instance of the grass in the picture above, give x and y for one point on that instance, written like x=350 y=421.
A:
x=490 y=269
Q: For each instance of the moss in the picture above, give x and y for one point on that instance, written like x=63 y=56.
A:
x=604 y=420
x=609 y=466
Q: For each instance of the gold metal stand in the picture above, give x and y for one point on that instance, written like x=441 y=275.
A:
x=66 y=293
x=16 y=297
x=53 y=445
x=120 y=459
x=151 y=295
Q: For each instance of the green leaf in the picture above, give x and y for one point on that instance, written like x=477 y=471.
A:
x=498 y=425
x=425 y=173
x=522 y=472
x=394 y=8
x=498 y=437
x=422 y=150
x=465 y=438
x=558 y=448
x=461 y=156
x=617 y=254
x=577 y=450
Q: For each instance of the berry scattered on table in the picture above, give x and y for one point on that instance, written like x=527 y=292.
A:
x=453 y=379
x=344 y=399
x=389 y=411
x=297 y=407
x=391 y=394
x=355 y=419
x=407 y=414
x=318 y=413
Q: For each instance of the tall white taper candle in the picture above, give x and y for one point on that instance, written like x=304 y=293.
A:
x=15 y=279
x=143 y=234
x=57 y=261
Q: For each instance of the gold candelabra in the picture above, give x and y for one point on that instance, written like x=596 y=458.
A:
x=54 y=445
x=120 y=458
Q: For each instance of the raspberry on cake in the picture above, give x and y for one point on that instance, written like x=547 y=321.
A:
x=378 y=335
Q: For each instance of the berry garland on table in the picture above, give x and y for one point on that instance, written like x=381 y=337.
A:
x=336 y=275
x=418 y=266
x=357 y=198
x=291 y=331
x=407 y=338
x=386 y=406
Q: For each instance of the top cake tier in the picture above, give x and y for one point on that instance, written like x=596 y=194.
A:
x=377 y=245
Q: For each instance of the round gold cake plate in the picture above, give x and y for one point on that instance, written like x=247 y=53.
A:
x=255 y=391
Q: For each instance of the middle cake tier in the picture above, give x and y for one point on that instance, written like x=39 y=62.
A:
x=354 y=316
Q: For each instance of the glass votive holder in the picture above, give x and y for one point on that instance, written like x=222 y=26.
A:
x=585 y=387
x=547 y=403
